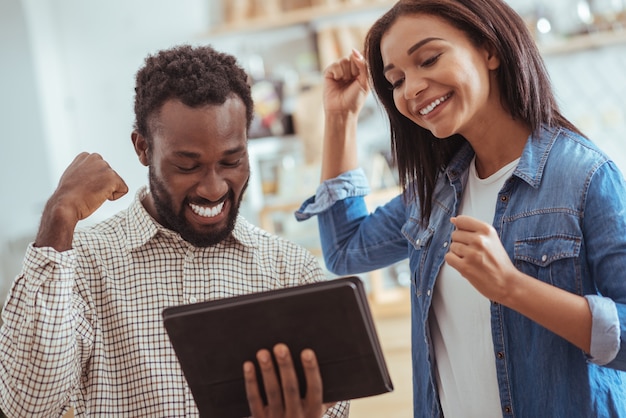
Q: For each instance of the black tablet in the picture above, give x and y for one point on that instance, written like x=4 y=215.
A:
x=213 y=339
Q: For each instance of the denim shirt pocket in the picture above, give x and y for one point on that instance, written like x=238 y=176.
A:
x=551 y=259
x=420 y=239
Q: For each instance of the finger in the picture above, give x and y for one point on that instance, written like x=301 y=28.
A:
x=457 y=249
x=291 y=389
x=342 y=70
x=121 y=188
x=467 y=223
x=116 y=187
x=314 y=390
x=270 y=381
x=332 y=71
x=255 y=402
x=337 y=71
x=93 y=166
x=346 y=66
x=455 y=262
x=80 y=157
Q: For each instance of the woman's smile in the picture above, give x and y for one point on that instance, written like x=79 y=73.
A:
x=433 y=105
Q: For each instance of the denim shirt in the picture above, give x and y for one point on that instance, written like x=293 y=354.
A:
x=561 y=218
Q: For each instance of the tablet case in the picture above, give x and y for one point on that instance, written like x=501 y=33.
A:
x=213 y=339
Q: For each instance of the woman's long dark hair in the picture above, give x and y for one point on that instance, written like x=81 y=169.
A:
x=524 y=84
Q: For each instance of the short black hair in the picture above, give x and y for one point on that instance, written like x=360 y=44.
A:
x=196 y=76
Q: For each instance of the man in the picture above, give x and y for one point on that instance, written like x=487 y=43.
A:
x=82 y=323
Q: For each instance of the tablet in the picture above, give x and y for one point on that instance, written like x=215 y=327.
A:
x=213 y=339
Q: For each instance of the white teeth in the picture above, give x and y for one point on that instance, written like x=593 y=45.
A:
x=205 y=211
x=425 y=111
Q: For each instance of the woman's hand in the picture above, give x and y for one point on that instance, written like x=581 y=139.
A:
x=477 y=253
x=345 y=85
x=345 y=89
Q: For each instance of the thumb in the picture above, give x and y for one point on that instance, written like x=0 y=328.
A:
x=357 y=62
x=358 y=68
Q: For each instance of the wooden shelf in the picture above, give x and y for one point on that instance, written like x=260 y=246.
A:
x=300 y=16
x=583 y=42
x=323 y=13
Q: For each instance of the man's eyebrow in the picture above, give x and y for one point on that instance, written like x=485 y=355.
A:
x=187 y=154
x=191 y=154
x=412 y=49
x=235 y=150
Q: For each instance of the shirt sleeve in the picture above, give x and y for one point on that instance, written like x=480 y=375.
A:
x=349 y=184
x=604 y=226
x=605 y=329
x=339 y=410
x=38 y=347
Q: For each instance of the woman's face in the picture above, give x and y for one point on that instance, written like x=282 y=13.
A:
x=440 y=79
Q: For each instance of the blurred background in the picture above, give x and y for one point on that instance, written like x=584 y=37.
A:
x=67 y=76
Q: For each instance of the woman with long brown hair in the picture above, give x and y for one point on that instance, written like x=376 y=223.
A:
x=513 y=222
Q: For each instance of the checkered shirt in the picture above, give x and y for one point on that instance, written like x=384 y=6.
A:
x=83 y=328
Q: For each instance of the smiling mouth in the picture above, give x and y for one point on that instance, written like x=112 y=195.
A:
x=425 y=111
x=207 y=212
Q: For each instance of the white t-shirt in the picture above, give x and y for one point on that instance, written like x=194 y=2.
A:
x=461 y=321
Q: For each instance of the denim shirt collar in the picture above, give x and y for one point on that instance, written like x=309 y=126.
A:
x=532 y=161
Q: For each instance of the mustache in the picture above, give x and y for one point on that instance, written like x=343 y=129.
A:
x=230 y=195
x=206 y=202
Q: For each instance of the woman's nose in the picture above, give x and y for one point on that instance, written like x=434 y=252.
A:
x=413 y=86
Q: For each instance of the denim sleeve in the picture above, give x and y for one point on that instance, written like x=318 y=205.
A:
x=605 y=329
x=349 y=184
x=604 y=224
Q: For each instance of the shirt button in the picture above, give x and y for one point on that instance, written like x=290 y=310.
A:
x=507 y=409
x=428 y=292
x=500 y=355
x=193 y=299
x=418 y=242
x=445 y=245
x=504 y=198
x=544 y=258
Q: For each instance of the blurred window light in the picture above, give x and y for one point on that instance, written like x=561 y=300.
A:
x=543 y=25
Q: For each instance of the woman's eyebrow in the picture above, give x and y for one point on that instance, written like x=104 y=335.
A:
x=421 y=44
x=412 y=49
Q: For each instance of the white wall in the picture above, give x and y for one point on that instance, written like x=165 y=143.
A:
x=24 y=165
x=67 y=78
x=85 y=56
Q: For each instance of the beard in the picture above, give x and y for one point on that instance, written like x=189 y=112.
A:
x=177 y=222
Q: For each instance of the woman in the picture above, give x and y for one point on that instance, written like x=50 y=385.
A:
x=513 y=222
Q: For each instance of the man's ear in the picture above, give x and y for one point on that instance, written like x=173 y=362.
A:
x=141 y=147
